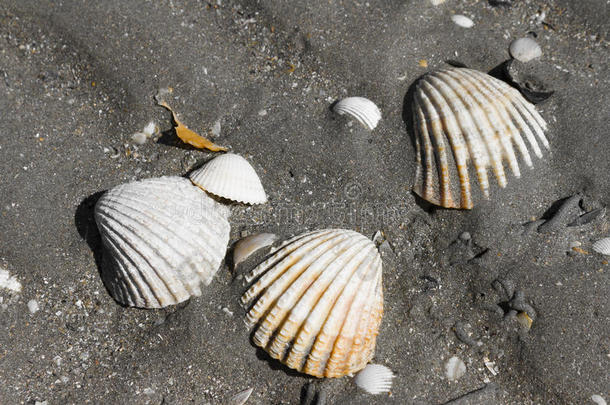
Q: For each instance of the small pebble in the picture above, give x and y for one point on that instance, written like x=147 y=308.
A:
x=598 y=399
x=262 y=113
x=33 y=306
x=462 y=21
x=454 y=368
x=525 y=49
x=216 y=128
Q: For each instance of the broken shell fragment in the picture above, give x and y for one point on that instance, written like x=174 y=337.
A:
x=250 y=244
x=602 y=246
x=163 y=238
x=363 y=109
x=375 y=379
x=230 y=176
x=318 y=302
x=462 y=116
x=240 y=398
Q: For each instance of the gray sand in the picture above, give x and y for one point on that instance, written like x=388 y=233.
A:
x=77 y=79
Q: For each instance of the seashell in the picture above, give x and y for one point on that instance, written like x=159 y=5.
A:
x=525 y=49
x=9 y=282
x=250 y=244
x=462 y=21
x=481 y=118
x=375 y=379
x=319 y=302
x=602 y=246
x=240 y=398
x=454 y=368
x=164 y=238
x=230 y=176
x=598 y=399
x=363 y=109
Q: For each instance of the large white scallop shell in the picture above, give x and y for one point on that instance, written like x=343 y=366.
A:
x=462 y=115
x=602 y=246
x=164 y=237
x=319 y=302
x=375 y=379
x=363 y=109
x=230 y=176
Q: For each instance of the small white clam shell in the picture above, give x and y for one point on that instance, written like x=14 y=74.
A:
x=363 y=109
x=525 y=49
x=375 y=379
x=454 y=368
x=230 y=176
x=240 y=398
x=602 y=246
x=250 y=244
x=163 y=238
x=462 y=21
x=318 y=302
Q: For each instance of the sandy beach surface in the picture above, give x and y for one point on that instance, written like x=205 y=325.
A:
x=78 y=79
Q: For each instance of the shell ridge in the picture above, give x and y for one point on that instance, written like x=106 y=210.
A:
x=275 y=267
x=305 y=306
x=496 y=121
x=320 y=360
x=124 y=280
x=505 y=97
x=426 y=190
x=482 y=121
x=453 y=133
x=289 y=275
x=127 y=222
x=440 y=148
x=275 y=256
x=283 y=295
x=311 y=323
x=158 y=280
x=147 y=282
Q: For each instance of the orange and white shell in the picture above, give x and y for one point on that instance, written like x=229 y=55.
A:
x=462 y=116
x=164 y=237
x=230 y=176
x=318 y=302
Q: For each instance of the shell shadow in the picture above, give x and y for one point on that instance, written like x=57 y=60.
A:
x=84 y=221
x=407 y=117
x=275 y=364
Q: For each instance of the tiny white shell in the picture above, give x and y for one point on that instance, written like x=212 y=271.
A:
x=151 y=129
x=139 y=138
x=462 y=21
x=363 y=109
x=230 y=176
x=250 y=244
x=375 y=379
x=525 y=49
x=9 y=282
x=437 y=2
x=240 y=398
x=598 y=399
x=454 y=368
x=602 y=246
x=163 y=238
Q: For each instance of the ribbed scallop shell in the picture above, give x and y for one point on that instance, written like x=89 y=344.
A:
x=375 y=379
x=230 y=176
x=462 y=116
x=164 y=237
x=319 y=302
x=602 y=246
x=363 y=109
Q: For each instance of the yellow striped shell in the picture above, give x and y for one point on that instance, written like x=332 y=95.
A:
x=319 y=302
x=462 y=115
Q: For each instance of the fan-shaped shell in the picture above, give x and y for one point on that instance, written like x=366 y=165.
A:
x=230 y=176
x=462 y=116
x=163 y=237
x=319 y=302
x=363 y=109
x=375 y=379
x=602 y=246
